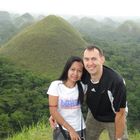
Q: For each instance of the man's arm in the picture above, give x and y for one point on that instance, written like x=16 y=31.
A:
x=120 y=123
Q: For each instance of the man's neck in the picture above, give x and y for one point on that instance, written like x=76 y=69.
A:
x=95 y=78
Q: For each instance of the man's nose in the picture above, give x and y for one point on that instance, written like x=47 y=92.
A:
x=90 y=62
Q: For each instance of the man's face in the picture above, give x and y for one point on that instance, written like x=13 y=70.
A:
x=93 y=61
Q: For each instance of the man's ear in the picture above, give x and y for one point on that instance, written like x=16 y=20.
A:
x=103 y=59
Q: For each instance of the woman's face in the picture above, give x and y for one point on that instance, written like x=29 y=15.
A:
x=75 y=72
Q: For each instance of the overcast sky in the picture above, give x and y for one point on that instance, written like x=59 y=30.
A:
x=73 y=7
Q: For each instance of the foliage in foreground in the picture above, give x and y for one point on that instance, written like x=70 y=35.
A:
x=43 y=132
x=23 y=99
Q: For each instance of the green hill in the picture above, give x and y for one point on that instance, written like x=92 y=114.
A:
x=129 y=27
x=7 y=28
x=44 y=46
x=24 y=21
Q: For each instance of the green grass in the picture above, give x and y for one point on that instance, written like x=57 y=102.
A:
x=132 y=136
x=43 y=131
x=39 y=132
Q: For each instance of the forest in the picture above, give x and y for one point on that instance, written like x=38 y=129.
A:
x=23 y=99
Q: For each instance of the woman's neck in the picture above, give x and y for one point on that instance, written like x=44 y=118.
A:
x=69 y=84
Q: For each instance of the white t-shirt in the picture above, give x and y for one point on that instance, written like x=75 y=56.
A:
x=68 y=106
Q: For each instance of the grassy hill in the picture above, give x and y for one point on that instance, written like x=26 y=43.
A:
x=44 y=46
x=24 y=21
x=7 y=28
x=130 y=29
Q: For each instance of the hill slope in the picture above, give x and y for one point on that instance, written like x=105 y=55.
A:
x=7 y=28
x=44 y=46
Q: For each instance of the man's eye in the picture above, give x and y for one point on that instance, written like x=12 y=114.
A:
x=86 y=59
x=94 y=59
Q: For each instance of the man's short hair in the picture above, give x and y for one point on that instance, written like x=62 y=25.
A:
x=92 y=47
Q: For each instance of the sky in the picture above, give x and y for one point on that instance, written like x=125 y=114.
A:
x=73 y=7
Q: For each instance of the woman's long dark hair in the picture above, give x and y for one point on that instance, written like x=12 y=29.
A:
x=64 y=75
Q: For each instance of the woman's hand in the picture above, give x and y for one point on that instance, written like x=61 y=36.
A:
x=52 y=122
x=74 y=135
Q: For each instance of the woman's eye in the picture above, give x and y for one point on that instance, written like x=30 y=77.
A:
x=72 y=69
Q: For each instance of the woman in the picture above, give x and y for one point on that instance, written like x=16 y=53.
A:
x=65 y=98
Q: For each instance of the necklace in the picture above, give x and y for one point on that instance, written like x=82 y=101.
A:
x=94 y=82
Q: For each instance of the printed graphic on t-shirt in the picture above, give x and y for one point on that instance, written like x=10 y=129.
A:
x=69 y=104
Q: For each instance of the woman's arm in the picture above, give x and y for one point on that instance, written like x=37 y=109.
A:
x=52 y=122
x=53 y=105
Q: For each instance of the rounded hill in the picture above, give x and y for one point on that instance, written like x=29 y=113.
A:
x=44 y=46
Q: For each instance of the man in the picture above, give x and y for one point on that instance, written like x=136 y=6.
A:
x=106 y=97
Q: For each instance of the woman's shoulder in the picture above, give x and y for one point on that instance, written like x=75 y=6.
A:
x=55 y=82
x=52 y=90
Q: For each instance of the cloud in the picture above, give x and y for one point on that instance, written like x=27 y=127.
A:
x=74 y=7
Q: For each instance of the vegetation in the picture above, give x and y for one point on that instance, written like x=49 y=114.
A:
x=23 y=98
x=43 y=48
x=41 y=131
x=11 y=24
